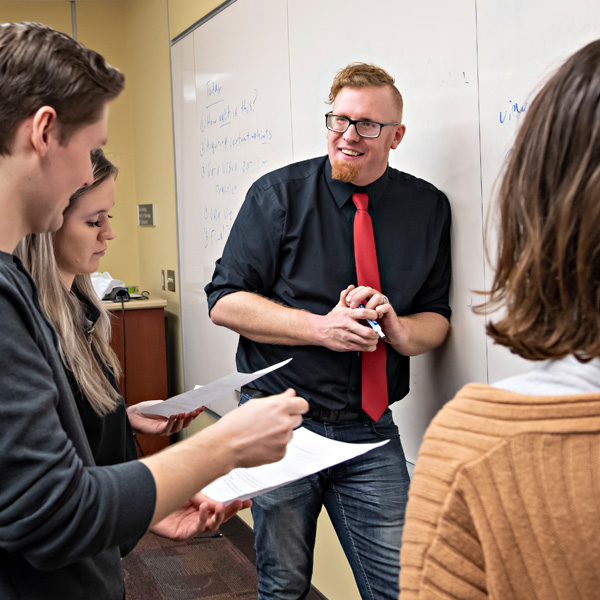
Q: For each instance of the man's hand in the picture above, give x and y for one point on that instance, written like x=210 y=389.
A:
x=260 y=429
x=156 y=424
x=341 y=330
x=376 y=303
x=368 y=296
x=410 y=335
x=196 y=516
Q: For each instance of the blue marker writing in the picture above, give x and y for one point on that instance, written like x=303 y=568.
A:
x=375 y=326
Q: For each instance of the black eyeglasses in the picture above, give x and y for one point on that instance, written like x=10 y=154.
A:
x=366 y=129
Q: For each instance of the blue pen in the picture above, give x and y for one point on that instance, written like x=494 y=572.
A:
x=375 y=326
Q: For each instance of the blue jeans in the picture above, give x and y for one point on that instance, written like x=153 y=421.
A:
x=365 y=498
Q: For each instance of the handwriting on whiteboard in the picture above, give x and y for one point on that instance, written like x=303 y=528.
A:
x=233 y=130
x=513 y=111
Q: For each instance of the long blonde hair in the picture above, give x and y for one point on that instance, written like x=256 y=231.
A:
x=80 y=350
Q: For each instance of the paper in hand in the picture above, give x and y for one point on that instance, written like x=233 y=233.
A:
x=306 y=454
x=202 y=396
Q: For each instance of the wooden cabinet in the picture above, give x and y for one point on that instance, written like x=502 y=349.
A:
x=138 y=338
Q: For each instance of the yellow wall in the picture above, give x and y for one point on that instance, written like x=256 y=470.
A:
x=184 y=13
x=101 y=26
x=148 y=39
x=54 y=14
x=134 y=36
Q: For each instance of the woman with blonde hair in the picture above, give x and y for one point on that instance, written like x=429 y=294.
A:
x=504 y=502
x=60 y=264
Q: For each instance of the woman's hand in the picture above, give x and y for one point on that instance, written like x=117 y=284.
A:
x=198 y=515
x=156 y=424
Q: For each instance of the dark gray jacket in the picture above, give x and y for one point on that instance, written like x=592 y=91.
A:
x=62 y=519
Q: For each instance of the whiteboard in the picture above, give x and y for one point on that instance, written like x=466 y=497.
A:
x=231 y=104
x=462 y=67
x=521 y=44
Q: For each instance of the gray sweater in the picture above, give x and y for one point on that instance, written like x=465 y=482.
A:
x=62 y=519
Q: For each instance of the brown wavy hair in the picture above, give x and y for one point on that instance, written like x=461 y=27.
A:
x=361 y=74
x=548 y=265
x=43 y=67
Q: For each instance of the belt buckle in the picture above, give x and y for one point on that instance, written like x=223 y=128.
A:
x=324 y=416
x=332 y=416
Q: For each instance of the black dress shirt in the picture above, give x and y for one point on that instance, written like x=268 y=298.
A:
x=292 y=242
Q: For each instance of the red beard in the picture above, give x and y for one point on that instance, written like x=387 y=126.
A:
x=345 y=171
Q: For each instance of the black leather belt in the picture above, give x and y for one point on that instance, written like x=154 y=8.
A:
x=331 y=416
x=316 y=414
x=252 y=392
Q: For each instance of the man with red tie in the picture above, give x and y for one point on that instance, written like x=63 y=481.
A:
x=321 y=252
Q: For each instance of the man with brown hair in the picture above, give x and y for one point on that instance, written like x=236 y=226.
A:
x=62 y=519
x=295 y=273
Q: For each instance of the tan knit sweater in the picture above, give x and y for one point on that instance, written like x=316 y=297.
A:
x=505 y=499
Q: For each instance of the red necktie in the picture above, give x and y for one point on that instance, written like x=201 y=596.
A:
x=374 y=379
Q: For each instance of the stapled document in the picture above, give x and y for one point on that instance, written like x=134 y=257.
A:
x=306 y=454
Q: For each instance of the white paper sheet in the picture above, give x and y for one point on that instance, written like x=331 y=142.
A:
x=306 y=453
x=204 y=395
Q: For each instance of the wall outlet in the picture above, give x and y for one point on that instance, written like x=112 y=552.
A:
x=162 y=279
x=171 y=281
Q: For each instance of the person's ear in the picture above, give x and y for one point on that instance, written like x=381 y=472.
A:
x=398 y=135
x=44 y=129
